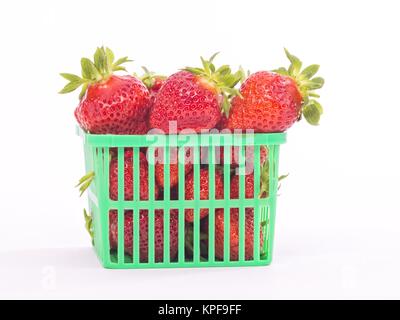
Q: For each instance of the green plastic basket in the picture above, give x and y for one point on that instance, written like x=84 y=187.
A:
x=97 y=158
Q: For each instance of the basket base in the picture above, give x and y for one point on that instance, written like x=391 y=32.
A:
x=127 y=264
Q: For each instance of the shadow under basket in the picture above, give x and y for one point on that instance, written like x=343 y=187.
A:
x=140 y=223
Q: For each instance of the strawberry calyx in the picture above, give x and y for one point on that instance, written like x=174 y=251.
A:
x=189 y=239
x=221 y=79
x=85 y=182
x=97 y=71
x=311 y=109
x=149 y=78
x=264 y=188
x=89 y=224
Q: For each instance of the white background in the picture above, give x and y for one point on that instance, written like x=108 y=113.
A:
x=337 y=232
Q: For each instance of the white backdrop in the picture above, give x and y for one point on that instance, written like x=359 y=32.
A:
x=338 y=217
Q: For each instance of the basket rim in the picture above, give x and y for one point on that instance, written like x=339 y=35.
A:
x=159 y=140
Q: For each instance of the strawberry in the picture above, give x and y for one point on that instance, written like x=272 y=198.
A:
x=128 y=177
x=153 y=82
x=273 y=101
x=108 y=103
x=143 y=233
x=249 y=184
x=194 y=97
x=234 y=216
x=204 y=190
x=173 y=167
x=234 y=234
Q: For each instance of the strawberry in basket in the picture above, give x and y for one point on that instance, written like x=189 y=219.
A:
x=249 y=183
x=128 y=177
x=204 y=186
x=153 y=82
x=108 y=103
x=273 y=101
x=194 y=97
x=143 y=233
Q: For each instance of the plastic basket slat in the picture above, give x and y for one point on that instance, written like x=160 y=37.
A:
x=166 y=229
x=257 y=226
x=211 y=213
x=227 y=184
x=121 y=196
x=181 y=198
x=242 y=170
x=136 y=212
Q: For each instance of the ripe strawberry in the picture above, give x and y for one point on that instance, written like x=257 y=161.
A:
x=273 y=101
x=194 y=97
x=234 y=216
x=128 y=176
x=108 y=103
x=249 y=183
x=153 y=82
x=143 y=233
x=204 y=191
x=173 y=167
x=234 y=234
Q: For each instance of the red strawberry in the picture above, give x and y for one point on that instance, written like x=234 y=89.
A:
x=234 y=216
x=143 y=233
x=173 y=168
x=128 y=176
x=249 y=183
x=204 y=191
x=153 y=82
x=273 y=101
x=109 y=103
x=234 y=234
x=194 y=98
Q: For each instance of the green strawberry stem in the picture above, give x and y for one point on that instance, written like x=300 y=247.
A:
x=85 y=182
x=311 y=109
x=98 y=70
x=222 y=79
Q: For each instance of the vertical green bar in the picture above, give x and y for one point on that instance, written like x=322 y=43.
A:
x=136 y=212
x=242 y=172
x=196 y=218
x=273 y=187
x=150 y=154
x=102 y=242
x=211 y=211
x=166 y=228
x=256 y=232
x=227 y=220
x=121 y=196
x=104 y=199
x=181 y=197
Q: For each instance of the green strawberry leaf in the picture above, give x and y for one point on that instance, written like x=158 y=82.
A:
x=71 y=86
x=83 y=90
x=281 y=71
x=71 y=77
x=312 y=112
x=85 y=182
x=110 y=57
x=89 y=224
x=310 y=71
x=121 y=61
x=89 y=70
x=295 y=63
